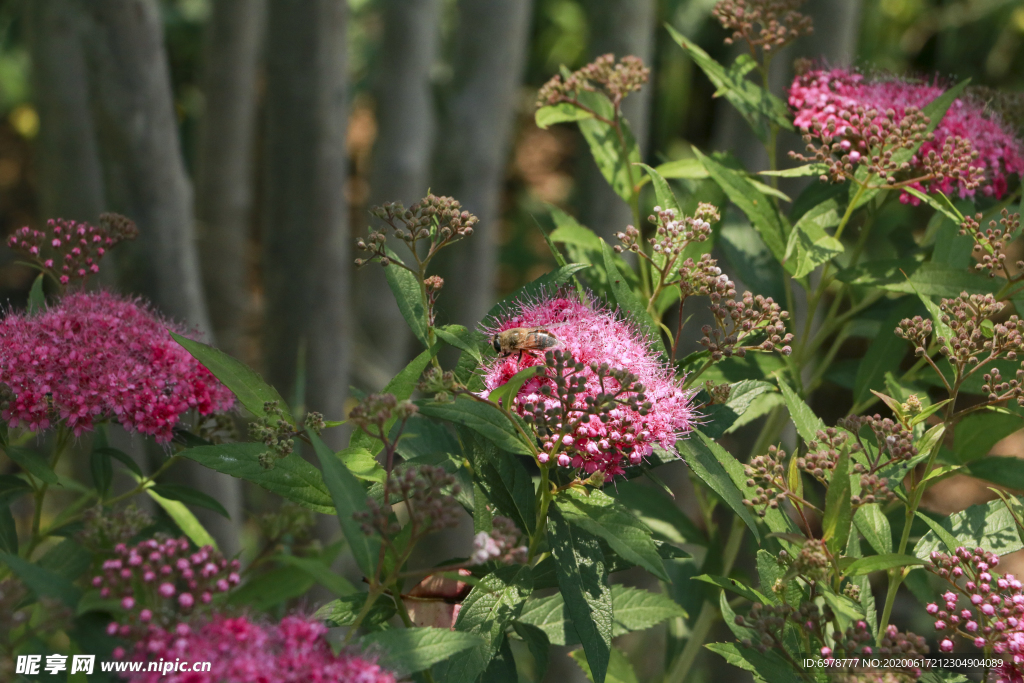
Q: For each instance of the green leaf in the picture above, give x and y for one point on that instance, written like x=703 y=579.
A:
x=291 y=477
x=406 y=289
x=752 y=202
x=250 y=389
x=662 y=190
x=33 y=463
x=8 y=529
x=11 y=487
x=506 y=393
x=690 y=169
x=885 y=352
x=619 y=668
x=877 y=563
x=807 y=423
x=362 y=464
x=582 y=578
x=734 y=586
x=813 y=169
x=708 y=461
x=484 y=419
x=407 y=650
x=563 y=112
x=530 y=291
x=401 y=387
x=102 y=471
x=67 y=559
x=36 y=296
x=320 y=572
x=915 y=277
x=121 y=457
x=614 y=155
x=989 y=526
x=343 y=611
x=769 y=666
x=658 y=512
x=946 y=207
x=507 y=484
x=977 y=433
x=41 y=581
x=272 y=588
x=189 y=495
x=570 y=231
x=538 y=644
x=809 y=245
x=835 y=522
x=186 y=521
x=636 y=609
x=488 y=611
x=602 y=516
x=756 y=105
x=747 y=253
x=349 y=497
x=630 y=303
x=718 y=418
x=874 y=527
x=458 y=336
x=1007 y=471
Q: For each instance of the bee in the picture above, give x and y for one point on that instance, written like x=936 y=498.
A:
x=522 y=339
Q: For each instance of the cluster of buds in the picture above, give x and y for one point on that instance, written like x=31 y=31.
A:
x=103 y=528
x=765 y=24
x=770 y=622
x=433 y=286
x=69 y=250
x=377 y=410
x=993 y=615
x=585 y=429
x=989 y=245
x=276 y=433
x=671 y=237
x=438 y=221
x=504 y=544
x=908 y=647
x=767 y=473
x=441 y=383
x=917 y=331
x=737 y=322
x=157 y=581
x=952 y=165
x=822 y=453
x=616 y=80
x=813 y=560
x=869 y=138
x=422 y=491
x=894 y=443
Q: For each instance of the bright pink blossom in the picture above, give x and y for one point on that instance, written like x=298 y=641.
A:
x=97 y=356
x=821 y=96
x=240 y=651
x=591 y=335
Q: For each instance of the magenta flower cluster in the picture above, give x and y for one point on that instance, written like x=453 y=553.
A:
x=992 y=612
x=823 y=96
x=157 y=581
x=240 y=651
x=592 y=336
x=96 y=356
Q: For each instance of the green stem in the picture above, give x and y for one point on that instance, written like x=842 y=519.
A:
x=544 y=501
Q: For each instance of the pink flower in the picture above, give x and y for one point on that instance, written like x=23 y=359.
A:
x=97 y=356
x=241 y=651
x=593 y=336
x=823 y=96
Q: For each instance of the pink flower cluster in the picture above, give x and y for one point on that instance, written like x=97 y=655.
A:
x=993 y=615
x=594 y=337
x=158 y=580
x=70 y=249
x=96 y=356
x=822 y=96
x=240 y=651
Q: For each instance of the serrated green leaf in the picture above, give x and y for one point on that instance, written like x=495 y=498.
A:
x=349 y=497
x=189 y=495
x=885 y=352
x=690 y=169
x=613 y=152
x=1007 y=471
x=705 y=458
x=582 y=578
x=914 y=277
x=619 y=668
x=530 y=291
x=67 y=559
x=507 y=484
x=42 y=582
x=662 y=190
x=407 y=290
x=874 y=526
x=809 y=245
x=186 y=521
x=989 y=526
x=877 y=563
x=814 y=169
x=504 y=394
x=602 y=516
x=752 y=202
x=538 y=644
x=563 y=112
x=272 y=588
x=361 y=463
x=249 y=388
x=482 y=418
x=292 y=477
x=718 y=418
x=807 y=423
x=343 y=611
x=734 y=586
x=407 y=650
x=658 y=512
x=838 y=515
x=33 y=463
x=977 y=433
x=767 y=666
